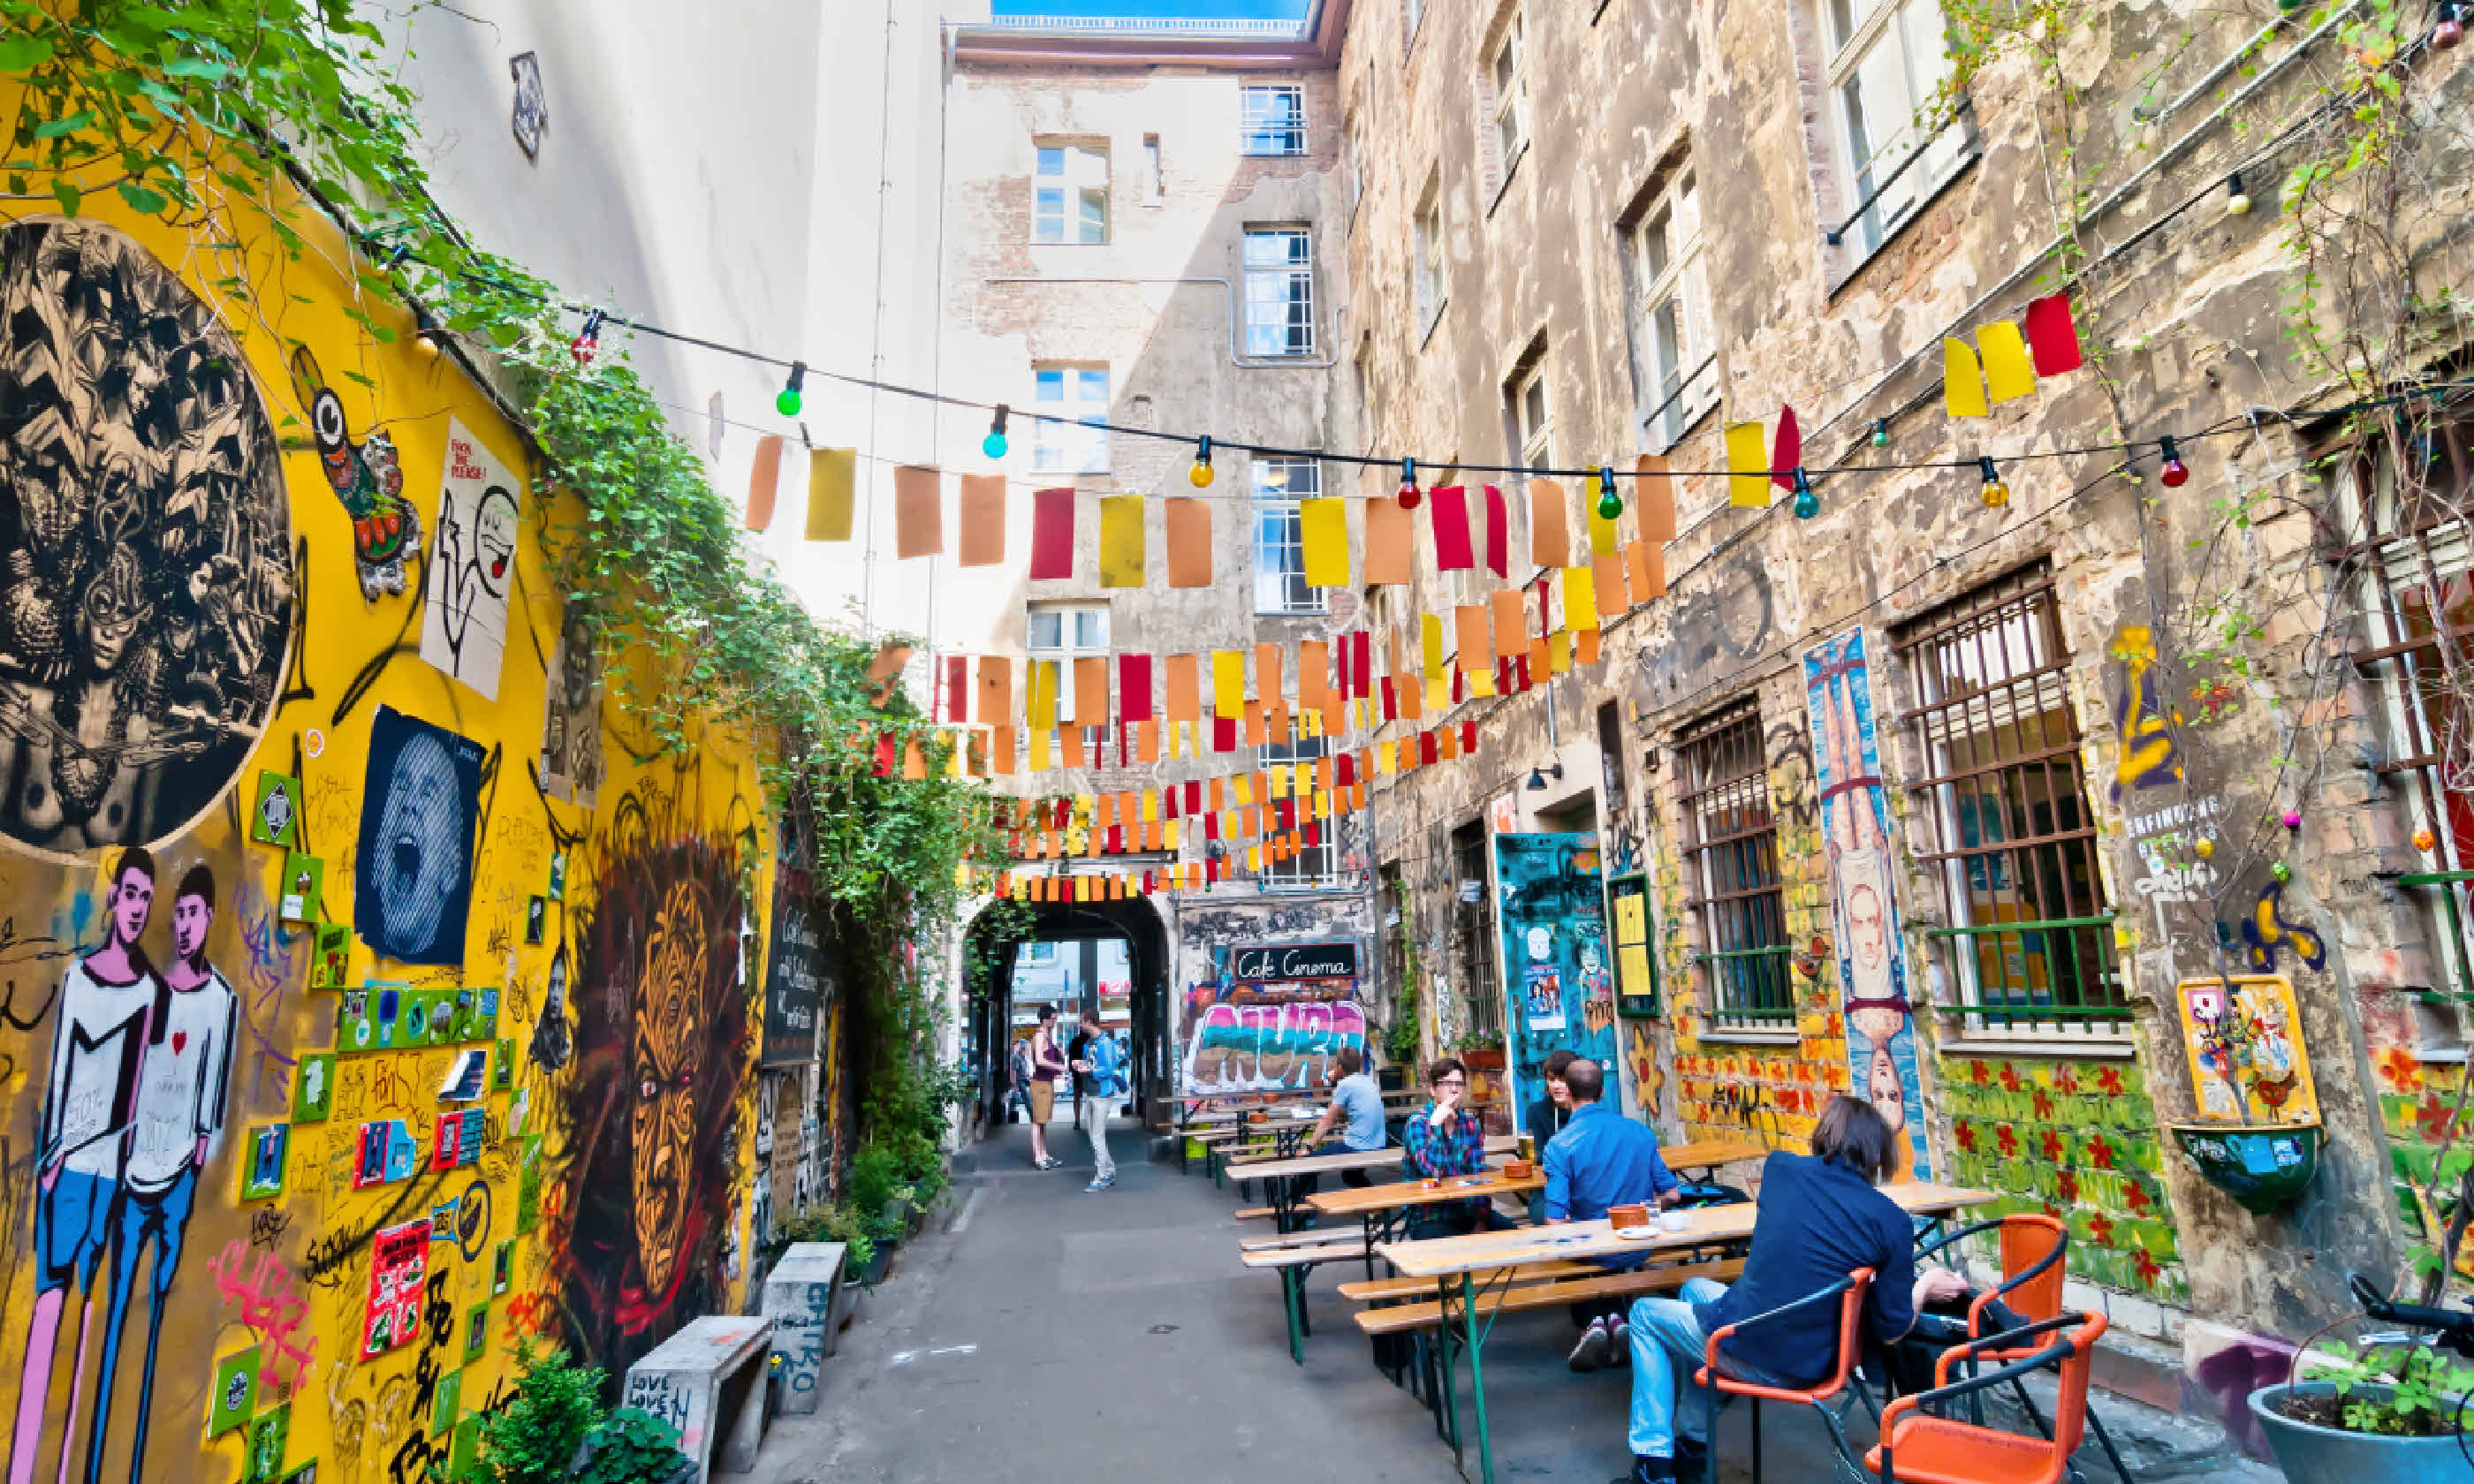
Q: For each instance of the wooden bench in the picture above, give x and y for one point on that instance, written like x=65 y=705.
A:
x=1307 y=1238
x=1390 y=1290
x=1257 y=1213
x=1293 y=1257
x=1517 y=1297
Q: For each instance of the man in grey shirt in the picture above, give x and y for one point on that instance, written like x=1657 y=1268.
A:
x=1357 y=1106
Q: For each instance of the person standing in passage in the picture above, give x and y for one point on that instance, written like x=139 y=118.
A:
x=1047 y=1065
x=1074 y=1050
x=1103 y=1080
x=1602 y=1159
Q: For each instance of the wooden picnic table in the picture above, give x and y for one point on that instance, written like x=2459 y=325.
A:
x=1453 y=1261
x=1279 y=1176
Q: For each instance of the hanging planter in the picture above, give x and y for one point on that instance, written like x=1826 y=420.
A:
x=2262 y=1165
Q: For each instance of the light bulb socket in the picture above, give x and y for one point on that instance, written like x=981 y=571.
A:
x=1609 y=503
x=1806 y=503
x=2237 y=199
x=1200 y=474
x=424 y=328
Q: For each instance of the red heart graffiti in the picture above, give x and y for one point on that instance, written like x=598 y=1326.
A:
x=179 y=1039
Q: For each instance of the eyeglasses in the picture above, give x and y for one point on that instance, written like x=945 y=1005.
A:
x=1454 y=1082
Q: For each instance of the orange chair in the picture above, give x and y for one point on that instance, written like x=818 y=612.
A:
x=1923 y=1448
x=1850 y=1292
x=2033 y=1247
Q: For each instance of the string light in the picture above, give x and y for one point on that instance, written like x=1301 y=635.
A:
x=789 y=402
x=1200 y=477
x=2237 y=204
x=1880 y=432
x=1609 y=503
x=2176 y=473
x=424 y=329
x=994 y=445
x=1996 y=493
x=1806 y=503
x=2450 y=31
x=1409 y=495
x=587 y=343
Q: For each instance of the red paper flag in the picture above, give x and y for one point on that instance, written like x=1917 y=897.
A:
x=1361 y=665
x=957 y=689
x=1134 y=686
x=1786 y=454
x=1193 y=796
x=2052 y=339
x=1498 y=533
x=1348 y=769
x=1469 y=736
x=1450 y=505
x=1425 y=749
x=1390 y=700
x=1052 y=536
x=1223 y=733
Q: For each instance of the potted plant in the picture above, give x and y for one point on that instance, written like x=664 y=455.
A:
x=1482 y=1051
x=2370 y=1411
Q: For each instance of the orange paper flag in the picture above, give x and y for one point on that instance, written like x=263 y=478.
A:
x=1511 y=622
x=981 y=520
x=1001 y=753
x=1188 y=533
x=1184 y=689
x=1091 y=691
x=1477 y=643
x=1607 y=574
x=764 y=478
x=1584 y=647
x=1648 y=563
x=1550 y=530
x=1267 y=673
x=1313 y=673
x=995 y=707
x=1654 y=499
x=918 y=512
x=1390 y=536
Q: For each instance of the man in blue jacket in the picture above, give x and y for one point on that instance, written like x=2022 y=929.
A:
x=1103 y=1064
x=1602 y=1159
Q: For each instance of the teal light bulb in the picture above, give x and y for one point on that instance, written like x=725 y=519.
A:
x=1806 y=505
x=993 y=445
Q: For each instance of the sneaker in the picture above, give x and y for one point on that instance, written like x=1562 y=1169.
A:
x=1693 y=1461
x=1589 y=1352
x=1098 y=1184
x=1648 y=1470
x=1619 y=1338
x=1049 y=1163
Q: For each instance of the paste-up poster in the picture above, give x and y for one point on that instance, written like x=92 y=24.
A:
x=1872 y=969
x=571 y=726
x=1557 y=968
x=399 y=1260
x=413 y=887
x=472 y=566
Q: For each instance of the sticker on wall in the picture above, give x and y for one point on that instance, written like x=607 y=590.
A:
x=502 y=1268
x=468 y=1076
x=476 y=1332
x=502 y=1067
x=459 y=1139
x=447 y=1404
x=303 y=1473
x=234 y=1391
x=399 y=1260
x=536 y=918
x=367 y=480
x=263 y=1159
x=528 y=1185
x=274 y=818
x=473 y=564
x=313 y=1088
x=269 y=1433
x=1636 y=972
x=413 y=887
x=305 y=880
x=1872 y=969
x=472 y=1224
x=571 y=761
x=558 y=876
x=149 y=590
x=331 y=961
x=2244 y=1035
x=387 y=1153
x=1542 y=986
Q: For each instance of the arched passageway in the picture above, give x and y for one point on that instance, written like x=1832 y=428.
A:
x=1007 y=985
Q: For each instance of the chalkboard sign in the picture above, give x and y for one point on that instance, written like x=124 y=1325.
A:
x=1635 y=963
x=798 y=975
x=1271 y=962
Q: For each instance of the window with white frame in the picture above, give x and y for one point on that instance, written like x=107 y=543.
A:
x=1506 y=73
x=1887 y=61
x=1068 y=401
x=1061 y=632
x=1533 y=417
x=1279 y=291
x=1272 y=119
x=1428 y=264
x=1279 y=548
x=1070 y=194
x=1310 y=866
x=1678 y=355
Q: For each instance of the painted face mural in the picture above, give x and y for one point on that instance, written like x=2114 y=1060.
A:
x=146 y=591
x=668 y=1016
x=415 y=886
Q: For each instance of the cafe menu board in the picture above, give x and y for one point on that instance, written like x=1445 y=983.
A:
x=798 y=977
x=1635 y=971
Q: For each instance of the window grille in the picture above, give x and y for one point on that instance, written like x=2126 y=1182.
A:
x=1732 y=868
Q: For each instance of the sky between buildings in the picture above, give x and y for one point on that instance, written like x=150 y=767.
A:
x=1214 y=10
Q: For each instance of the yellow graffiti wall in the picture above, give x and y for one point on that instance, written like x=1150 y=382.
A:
x=374 y=998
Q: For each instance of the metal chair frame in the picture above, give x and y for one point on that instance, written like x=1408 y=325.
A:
x=2013 y=1372
x=1850 y=1291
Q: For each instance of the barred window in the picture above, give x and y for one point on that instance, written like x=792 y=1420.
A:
x=1732 y=870
x=1473 y=923
x=2027 y=921
x=1272 y=119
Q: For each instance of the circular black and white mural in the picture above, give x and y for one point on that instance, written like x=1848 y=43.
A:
x=146 y=586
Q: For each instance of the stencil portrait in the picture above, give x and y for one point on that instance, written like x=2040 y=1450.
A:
x=146 y=590
x=414 y=884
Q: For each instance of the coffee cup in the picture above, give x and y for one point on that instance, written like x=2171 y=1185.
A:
x=1674 y=1220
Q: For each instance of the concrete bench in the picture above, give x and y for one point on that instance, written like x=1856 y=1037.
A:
x=800 y=1296
x=708 y=1381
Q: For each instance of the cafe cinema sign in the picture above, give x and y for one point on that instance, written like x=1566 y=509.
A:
x=1270 y=963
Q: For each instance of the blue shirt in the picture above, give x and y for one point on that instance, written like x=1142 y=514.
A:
x=1817 y=1223
x=1102 y=1054
x=1602 y=1159
x=1360 y=1099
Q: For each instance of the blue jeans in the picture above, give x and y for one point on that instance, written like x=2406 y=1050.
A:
x=1667 y=1347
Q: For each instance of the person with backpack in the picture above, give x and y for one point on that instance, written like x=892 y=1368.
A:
x=1103 y=1080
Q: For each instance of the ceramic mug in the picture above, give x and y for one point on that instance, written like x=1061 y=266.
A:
x=1624 y=1218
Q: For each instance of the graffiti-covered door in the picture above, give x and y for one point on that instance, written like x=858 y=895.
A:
x=1557 y=973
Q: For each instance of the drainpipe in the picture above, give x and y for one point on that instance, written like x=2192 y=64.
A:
x=1279 y=363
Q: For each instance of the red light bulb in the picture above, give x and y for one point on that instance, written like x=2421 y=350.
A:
x=2176 y=473
x=1409 y=498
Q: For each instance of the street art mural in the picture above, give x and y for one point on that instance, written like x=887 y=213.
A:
x=1280 y=1028
x=1872 y=969
x=278 y=894
x=146 y=593
x=1558 y=966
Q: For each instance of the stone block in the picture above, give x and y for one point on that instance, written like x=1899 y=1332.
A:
x=708 y=1381
x=2138 y=1315
x=800 y=1295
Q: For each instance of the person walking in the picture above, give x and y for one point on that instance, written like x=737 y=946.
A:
x=1047 y=1065
x=1075 y=1053
x=1102 y=1078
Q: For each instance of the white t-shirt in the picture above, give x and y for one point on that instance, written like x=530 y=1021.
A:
x=181 y=1086
x=95 y=1050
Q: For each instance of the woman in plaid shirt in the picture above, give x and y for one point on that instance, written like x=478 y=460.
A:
x=1441 y=1141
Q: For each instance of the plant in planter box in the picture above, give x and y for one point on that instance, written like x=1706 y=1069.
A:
x=2377 y=1409
x=631 y=1445
x=844 y=1223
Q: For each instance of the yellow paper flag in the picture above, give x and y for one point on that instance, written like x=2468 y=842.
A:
x=1323 y=529
x=831 y=475
x=1430 y=641
x=1039 y=740
x=2006 y=371
x=1602 y=533
x=1121 y=541
x=1228 y=683
x=1559 y=654
x=1042 y=706
x=1962 y=385
x=1580 y=598
x=1748 y=465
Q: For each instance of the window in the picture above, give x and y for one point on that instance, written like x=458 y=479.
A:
x=1279 y=551
x=1473 y=922
x=1531 y=419
x=1272 y=120
x=1311 y=866
x=1070 y=195
x=1678 y=351
x=2412 y=543
x=1279 y=292
x=1886 y=65
x=1732 y=870
x=1155 y=181
x=1511 y=100
x=1063 y=632
x=2027 y=925
x=1428 y=262
x=1068 y=401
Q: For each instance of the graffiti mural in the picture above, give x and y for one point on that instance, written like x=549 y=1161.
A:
x=1872 y=968
x=1558 y=966
x=146 y=593
x=2149 y=755
x=664 y=1053
x=1247 y=1034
